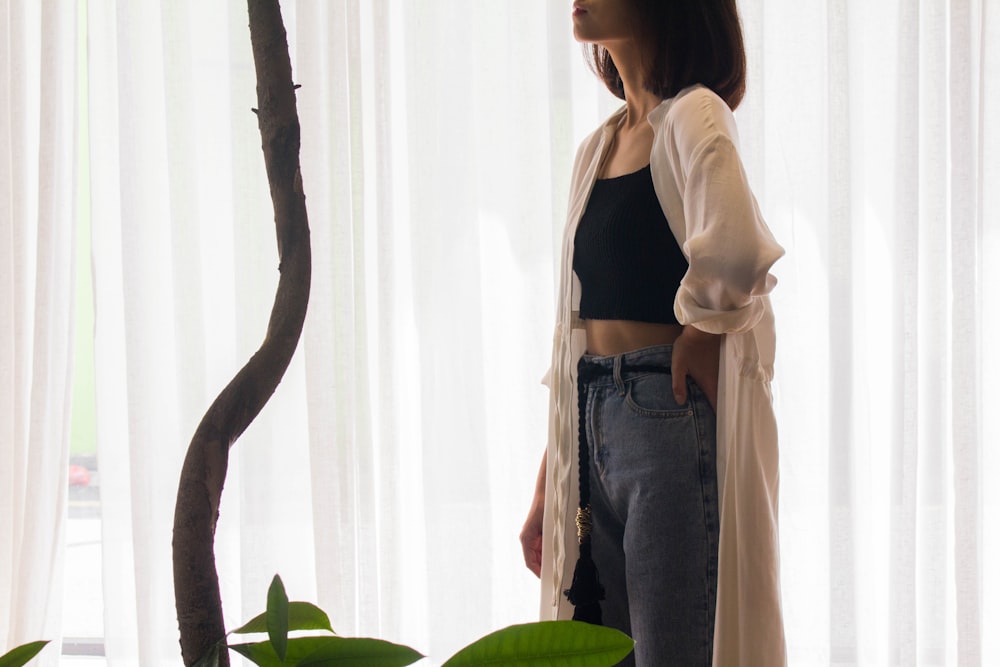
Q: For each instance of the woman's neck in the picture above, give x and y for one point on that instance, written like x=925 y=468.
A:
x=639 y=101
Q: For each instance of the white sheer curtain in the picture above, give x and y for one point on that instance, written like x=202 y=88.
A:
x=37 y=140
x=387 y=478
x=872 y=134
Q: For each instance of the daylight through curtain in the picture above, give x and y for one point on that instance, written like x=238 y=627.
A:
x=872 y=133
x=37 y=217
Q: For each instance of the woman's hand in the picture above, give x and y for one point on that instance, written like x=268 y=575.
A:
x=531 y=533
x=696 y=353
x=531 y=537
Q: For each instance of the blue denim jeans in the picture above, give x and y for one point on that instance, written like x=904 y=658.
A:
x=654 y=503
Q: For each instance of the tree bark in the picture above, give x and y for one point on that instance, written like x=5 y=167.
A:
x=196 y=581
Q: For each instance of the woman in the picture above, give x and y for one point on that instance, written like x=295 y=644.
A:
x=663 y=355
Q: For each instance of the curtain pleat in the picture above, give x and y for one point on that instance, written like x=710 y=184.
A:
x=37 y=191
x=844 y=262
x=339 y=371
x=988 y=195
x=965 y=156
x=905 y=407
x=117 y=560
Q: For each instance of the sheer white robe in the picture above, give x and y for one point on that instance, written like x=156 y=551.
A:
x=703 y=190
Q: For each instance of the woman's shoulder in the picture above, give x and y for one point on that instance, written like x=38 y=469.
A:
x=695 y=114
x=700 y=100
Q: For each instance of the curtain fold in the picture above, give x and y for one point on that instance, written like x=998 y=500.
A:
x=987 y=169
x=37 y=195
x=965 y=155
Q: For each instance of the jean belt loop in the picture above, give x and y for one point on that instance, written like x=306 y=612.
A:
x=619 y=382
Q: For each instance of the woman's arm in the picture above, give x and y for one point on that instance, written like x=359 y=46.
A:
x=729 y=248
x=531 y=533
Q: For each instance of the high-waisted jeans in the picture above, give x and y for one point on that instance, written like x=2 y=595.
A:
x=654 y=504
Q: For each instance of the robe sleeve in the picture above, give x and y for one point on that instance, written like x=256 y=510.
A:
x=705 y=194
x=729 y=247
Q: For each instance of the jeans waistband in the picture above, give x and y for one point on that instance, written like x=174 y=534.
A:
x=654 y=359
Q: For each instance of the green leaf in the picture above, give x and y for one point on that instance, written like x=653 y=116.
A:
x=360 y=652
x=546 y=644
x=277 y=617
x=259 y=653
x=301 y=616
x=323 y=651
x=22 y=654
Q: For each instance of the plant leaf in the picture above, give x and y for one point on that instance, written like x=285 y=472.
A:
x=323 y=651
x=360 y=652
x=546 y=644
x=301 y=616
x=258 y=654
x=20 y=655
x=277 y=617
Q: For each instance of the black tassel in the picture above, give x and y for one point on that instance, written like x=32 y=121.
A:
x=586 y=592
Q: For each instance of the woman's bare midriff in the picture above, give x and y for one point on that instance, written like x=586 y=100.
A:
x=606 y=337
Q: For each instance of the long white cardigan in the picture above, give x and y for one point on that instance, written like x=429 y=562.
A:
x=703 y=190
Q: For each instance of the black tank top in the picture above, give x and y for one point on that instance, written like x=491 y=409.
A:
x=626 y=257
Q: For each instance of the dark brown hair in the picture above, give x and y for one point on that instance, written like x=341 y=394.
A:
x=686 y=42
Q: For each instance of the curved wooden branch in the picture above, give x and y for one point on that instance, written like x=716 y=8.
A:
x=196 y=581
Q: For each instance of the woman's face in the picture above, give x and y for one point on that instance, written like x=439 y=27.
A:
x=603 y=21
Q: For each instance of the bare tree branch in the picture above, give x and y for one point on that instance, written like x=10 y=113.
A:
x=196 y=581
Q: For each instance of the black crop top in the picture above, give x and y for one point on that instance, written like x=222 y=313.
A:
x=627 y=259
